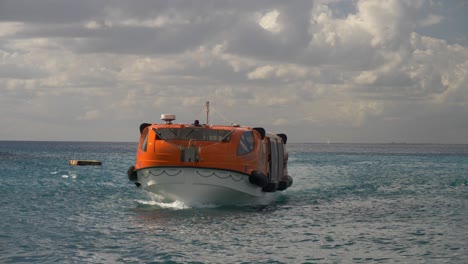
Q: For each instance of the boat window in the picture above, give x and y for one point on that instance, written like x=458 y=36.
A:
x=192 y=133
x=144 y=142
x=273 y=160
x=280 y=158
x=246 y=143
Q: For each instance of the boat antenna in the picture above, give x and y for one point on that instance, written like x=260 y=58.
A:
x=207 y=112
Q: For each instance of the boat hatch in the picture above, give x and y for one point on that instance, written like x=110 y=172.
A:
x=189 y=154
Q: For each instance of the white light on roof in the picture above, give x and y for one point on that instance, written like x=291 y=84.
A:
x=168 y=118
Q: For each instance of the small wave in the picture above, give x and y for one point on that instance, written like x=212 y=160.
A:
x=177 y=205
x=70 y=175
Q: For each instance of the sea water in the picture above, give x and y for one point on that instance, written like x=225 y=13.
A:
x=350 y=203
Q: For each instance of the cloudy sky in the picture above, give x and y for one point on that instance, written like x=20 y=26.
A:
x=318 y=70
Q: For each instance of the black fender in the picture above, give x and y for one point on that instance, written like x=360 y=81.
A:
x=258 y=179
x=285 y=183
x=283 y=137
x=290 y=181
x=132 y=175
x=270 y=187
x=143 y=126
x=260 y=130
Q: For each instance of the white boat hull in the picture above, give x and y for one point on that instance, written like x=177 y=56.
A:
x=199 y=185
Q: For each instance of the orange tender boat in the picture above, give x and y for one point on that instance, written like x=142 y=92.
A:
x=200 y=163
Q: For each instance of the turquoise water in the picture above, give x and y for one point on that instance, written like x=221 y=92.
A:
x=350 y=203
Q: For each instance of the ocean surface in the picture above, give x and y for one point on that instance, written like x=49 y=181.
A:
x=350 y=203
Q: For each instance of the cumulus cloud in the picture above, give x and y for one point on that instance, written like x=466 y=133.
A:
x=90 y=115
x=269 y=21
x=329 y=64
x=431 y=20
x=278 y=72
x=10 y=28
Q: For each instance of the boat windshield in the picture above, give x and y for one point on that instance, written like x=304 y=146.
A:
x=194 y=133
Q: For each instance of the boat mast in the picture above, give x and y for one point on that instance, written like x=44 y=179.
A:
x=207 y=112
